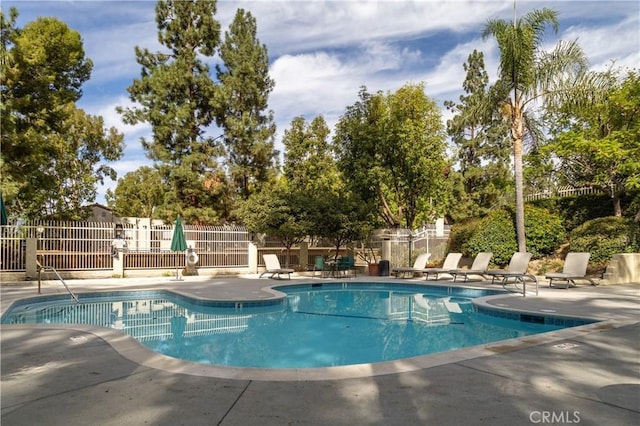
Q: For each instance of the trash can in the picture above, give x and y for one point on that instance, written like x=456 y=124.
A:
x=384 y=268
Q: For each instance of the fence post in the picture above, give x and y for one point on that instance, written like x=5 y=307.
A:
x=31 y=268
x=118 y=264
x=304 y=255
x=253 y=258
x=386 y=249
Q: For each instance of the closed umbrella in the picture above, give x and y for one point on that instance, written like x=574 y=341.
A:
x=3 y=212
x=178 y=242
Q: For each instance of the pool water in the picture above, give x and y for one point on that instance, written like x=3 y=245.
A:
x=314 y=326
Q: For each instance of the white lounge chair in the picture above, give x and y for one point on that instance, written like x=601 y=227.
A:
x=479 y=267
x=575 y=268
x=517 y=269
x=418 y=266
x=272 y=264
x=450 y=262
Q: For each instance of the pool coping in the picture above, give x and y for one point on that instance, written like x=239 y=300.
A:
x=135 y=351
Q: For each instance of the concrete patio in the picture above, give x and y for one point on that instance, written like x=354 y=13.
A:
x=78 y=375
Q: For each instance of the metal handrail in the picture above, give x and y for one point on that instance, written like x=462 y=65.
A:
x=51 y=268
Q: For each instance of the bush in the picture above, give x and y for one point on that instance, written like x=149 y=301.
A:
x=544 y=231
x=604 y=237
x=575 y=211
x=461 y=233
x=496 y=233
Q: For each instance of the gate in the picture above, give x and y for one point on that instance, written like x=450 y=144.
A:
x=406 y=244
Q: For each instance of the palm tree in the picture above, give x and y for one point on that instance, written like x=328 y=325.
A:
x=530 y=76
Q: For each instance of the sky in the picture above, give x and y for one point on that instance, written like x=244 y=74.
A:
x=322 y=52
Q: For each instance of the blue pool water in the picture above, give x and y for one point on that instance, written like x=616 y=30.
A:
x=314 y=326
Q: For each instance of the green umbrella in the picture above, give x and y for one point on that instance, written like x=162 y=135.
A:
x=178 y=242
x=3 y=212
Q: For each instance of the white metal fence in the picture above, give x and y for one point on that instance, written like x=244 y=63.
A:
x=406 y=245
x=12 y=249
x=562 y=191
x=86 y=246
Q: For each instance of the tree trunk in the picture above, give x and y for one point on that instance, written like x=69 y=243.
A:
x=517 y=132
x=617 y=207
x=517 y=160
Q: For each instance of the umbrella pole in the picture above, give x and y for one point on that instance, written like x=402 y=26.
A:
x=178 y=274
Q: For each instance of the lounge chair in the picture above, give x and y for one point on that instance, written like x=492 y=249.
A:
x=418 y=266
x=450 y=262
x=272 y=264
x=516 y=270
x=479 y=267
x=575 y=268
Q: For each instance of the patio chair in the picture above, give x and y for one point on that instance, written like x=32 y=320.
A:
x=450 y=262
x=419 y=264
x=344 y=265
x=320 y=265
x=516 y=270
x=575 y=268
x=272 y=264
x=478 y=267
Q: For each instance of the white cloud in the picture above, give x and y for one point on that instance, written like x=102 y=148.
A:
x=298 y=26
x=112 y=52
x=619 y=42
x=107 y=110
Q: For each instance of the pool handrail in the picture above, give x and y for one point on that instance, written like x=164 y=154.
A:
x=51 y=268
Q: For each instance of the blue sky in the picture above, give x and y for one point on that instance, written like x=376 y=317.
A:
x=321 y=52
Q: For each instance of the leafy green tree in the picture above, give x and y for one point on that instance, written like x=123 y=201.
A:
x=309 y=164
x=176 y=96
x=482 y=145
x=357 y=134
x=278 y=212
x=598 y=142
x=529 y=75
x=245 y=87
x=53 y=153
x=392 y=149
x=311 y=172
x=138 y=193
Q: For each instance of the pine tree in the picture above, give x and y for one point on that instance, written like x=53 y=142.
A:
x=248 y=126
x=177 y=95
x=481 y=141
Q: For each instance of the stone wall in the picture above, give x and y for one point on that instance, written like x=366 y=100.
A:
x=623 y=268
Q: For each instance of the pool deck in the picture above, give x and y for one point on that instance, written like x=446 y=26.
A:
x=78 y=375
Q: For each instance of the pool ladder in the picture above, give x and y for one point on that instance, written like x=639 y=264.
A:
x=51 y=268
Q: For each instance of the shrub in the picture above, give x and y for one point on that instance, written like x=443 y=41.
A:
x=495 y=233
x=461 y=232
x=544 y=231
x=604 y=237
x=576 y=210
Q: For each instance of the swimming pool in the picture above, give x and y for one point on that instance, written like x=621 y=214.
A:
x=315 y=325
